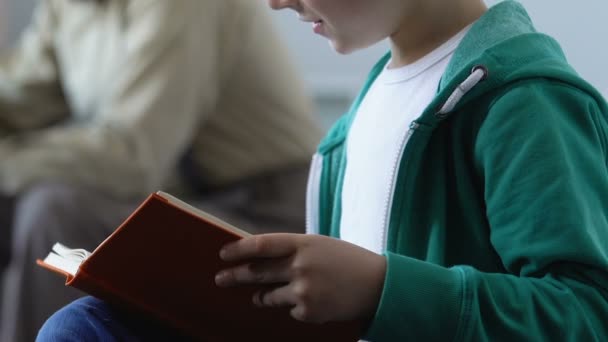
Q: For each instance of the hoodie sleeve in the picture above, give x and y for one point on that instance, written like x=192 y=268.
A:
x=542 y=152
x=30 y=91
x=166 y=79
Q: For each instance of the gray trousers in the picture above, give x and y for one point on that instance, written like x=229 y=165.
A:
x=82 y=218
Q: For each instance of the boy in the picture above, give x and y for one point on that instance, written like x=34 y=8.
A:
x=485 y=220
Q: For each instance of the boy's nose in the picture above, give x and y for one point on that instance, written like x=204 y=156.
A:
x=281 y=4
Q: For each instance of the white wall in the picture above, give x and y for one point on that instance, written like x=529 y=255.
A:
x=580 y=26
x=14 y=14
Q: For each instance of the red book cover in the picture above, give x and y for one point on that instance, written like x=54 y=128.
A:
x=162 y=262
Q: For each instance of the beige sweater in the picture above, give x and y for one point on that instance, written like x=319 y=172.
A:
x=111 y=94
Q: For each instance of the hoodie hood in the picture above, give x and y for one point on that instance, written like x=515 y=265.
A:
x=506 y=45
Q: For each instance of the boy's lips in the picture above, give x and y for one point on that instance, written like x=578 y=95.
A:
x=317 y=26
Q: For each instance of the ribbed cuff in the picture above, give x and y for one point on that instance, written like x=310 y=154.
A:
x=420 y=302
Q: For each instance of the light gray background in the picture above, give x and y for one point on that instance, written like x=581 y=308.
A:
x=580 y=26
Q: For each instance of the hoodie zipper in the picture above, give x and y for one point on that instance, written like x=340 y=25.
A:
x=313 y=190
x=393 y=183
x=478 y=74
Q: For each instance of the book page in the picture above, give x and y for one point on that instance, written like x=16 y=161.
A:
x=66 y=259
x=206 y=216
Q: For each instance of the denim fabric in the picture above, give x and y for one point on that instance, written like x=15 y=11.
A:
x=93 y=320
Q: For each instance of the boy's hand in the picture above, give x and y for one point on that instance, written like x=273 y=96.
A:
x=322 y=279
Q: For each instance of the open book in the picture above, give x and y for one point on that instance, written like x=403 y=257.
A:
x=161 y=262
x=67 y=260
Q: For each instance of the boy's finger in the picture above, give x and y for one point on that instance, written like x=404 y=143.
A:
x=260 y=246
x=275 y=298
x=263 y=272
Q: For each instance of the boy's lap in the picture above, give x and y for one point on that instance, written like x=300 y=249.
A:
x=91 y=319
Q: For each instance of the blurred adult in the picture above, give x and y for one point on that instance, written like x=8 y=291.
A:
x=105 y=101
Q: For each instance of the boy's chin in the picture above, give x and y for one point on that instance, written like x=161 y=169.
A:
x=344 y=49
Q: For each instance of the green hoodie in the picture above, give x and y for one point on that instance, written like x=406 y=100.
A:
x=498 y=225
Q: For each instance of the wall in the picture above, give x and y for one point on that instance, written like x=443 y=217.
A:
x=582 y=30
x=14 y=15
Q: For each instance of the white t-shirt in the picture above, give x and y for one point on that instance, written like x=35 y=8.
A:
x=397 y=97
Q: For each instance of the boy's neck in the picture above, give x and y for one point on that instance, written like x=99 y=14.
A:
x=422 y=33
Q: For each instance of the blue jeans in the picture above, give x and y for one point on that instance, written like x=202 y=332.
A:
x=91 y=319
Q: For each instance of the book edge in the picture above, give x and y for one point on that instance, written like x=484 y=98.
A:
x=57 y=270
x=201 y=214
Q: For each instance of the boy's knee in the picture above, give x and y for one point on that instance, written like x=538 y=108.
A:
x=76 y=321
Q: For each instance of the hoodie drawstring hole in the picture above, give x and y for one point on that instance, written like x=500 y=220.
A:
x=483 y=69
x=478 y=74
